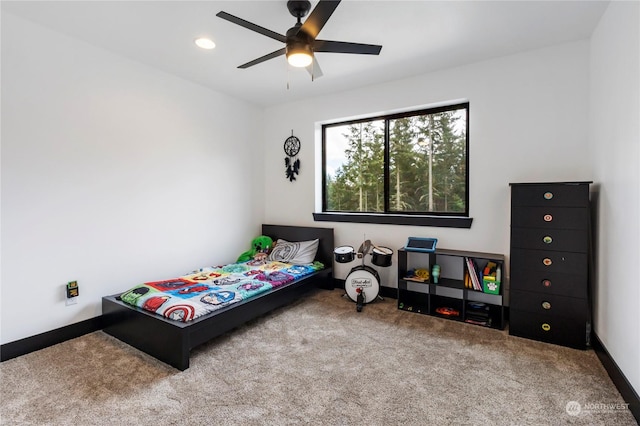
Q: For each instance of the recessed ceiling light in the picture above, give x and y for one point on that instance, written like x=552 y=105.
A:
x=205 y=43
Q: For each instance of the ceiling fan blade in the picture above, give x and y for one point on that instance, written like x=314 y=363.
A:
x=314 y=69
x=346 y=47
x=319 y=17
x=271 y=55
x=251 y=26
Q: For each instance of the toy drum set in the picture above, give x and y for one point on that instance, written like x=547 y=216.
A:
x=362 y=284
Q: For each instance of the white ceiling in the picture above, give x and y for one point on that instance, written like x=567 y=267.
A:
x=417 y=37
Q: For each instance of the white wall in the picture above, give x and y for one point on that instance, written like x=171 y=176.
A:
x=614 y=140
x=112 y=173
x=528 y=122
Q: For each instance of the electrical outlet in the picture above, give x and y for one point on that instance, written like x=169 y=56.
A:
x=72 y=301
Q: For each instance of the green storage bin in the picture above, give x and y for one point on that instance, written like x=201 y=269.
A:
x=490 y=286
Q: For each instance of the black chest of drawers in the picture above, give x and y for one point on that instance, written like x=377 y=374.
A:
x=550 y=255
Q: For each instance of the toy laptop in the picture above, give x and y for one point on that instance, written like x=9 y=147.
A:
x=420 y=244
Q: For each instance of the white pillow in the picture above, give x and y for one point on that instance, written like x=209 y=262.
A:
x=298 y=253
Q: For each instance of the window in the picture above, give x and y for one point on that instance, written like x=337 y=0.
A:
x=400 y=165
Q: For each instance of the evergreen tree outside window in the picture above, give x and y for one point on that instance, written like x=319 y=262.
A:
x=413 y=163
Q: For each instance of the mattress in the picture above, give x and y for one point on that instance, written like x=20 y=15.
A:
x=208 y=289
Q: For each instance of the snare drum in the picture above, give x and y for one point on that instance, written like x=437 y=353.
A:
x=381 y=256
x=344 y=254
x=365 y=278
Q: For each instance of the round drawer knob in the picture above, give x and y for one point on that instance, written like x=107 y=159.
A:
x=546 y=283
x=547 y=218
x=546 y=305
x=547 y=262
x=547 y=239
x=546 y=327
x=548 y=195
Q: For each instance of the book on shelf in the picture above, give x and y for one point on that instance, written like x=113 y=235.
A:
x=481 y=322
x=473 y=271
x=478 y=315
x=416 y=279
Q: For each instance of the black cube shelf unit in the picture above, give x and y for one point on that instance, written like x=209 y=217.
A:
x=450 y=294
x=550 y=262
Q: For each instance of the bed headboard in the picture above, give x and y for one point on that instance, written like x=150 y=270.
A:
x=305 y=233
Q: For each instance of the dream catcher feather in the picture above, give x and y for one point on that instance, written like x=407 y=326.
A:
x=291 y=162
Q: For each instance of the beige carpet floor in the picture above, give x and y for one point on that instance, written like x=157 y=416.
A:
x=318 y=362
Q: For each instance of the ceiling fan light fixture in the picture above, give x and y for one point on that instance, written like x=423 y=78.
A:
x=300 y=60
x=299 y=55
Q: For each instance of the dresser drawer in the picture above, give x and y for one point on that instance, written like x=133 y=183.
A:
x=572 y=285
x=556 y=330
x=550 y=217
x=549 y=305
x=548 y=261
x=550 y=239
x=565 y=195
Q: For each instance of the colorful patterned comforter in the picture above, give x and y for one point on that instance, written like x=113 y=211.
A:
x=209 y=289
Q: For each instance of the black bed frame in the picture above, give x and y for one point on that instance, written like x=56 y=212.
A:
x=171 y=341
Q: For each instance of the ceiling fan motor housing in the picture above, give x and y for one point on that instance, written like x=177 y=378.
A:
x=296 y=38
x=298 y=42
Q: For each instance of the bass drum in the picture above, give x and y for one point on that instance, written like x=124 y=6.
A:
x=365 y=278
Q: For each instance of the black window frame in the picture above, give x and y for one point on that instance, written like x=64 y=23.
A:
x=439 y=219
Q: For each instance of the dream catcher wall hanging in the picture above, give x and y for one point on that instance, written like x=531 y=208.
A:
x=292 y=163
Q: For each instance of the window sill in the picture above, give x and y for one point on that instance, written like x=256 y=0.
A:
x=396 y=219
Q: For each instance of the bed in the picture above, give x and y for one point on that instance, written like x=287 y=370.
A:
x=171 y=341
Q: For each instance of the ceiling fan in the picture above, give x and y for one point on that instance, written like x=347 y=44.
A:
x=300 y=40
